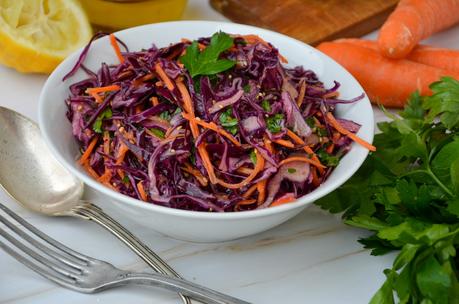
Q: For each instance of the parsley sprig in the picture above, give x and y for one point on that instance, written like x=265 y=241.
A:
x=207 y=62
x=407 y=193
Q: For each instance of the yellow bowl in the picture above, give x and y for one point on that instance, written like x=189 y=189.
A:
x=119 y=15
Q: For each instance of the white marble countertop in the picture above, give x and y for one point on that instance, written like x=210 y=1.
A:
x=312 y=258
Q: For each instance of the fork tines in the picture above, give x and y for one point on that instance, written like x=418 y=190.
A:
x=37 y=251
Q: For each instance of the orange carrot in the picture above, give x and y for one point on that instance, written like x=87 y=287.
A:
x=244 y=170
x=413 y=21
x=250 y=191
x=207 y=163
x=167 y=81
x=261 y=187
x=116 y=47
x=285 y=143
x=283 y=200
x=330 y=148
x=299 y=101
x=301 y=159
x=268 y=145
x=442 y=58
x=307 y=149
x=258 y=167
x=212 y=126
x=154 y=101
x=315 y=178
x=141 y=189
x=196 y=173
x=87 y=153
x=386 y=81
x=244 y=202
x=103 y=89
x=335 y=124
x=91 y=171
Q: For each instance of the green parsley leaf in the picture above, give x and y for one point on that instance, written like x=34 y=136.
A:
x=291 y=170
x=158 y=132
x=327 y=159
x=229 y=122
x=165 y=115
x=275 y=123
x=97 y=126
x=125 y=179
x=207 y=62
x=266 y=105
x=253 y=157
x=247 y=88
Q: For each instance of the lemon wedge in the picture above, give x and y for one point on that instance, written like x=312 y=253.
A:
x=36 y=35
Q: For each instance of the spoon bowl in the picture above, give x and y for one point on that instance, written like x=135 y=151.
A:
x=29 y=172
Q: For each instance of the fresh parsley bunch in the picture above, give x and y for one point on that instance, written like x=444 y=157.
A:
x=407 y=193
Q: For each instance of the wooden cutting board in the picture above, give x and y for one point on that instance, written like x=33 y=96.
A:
x=311 y=21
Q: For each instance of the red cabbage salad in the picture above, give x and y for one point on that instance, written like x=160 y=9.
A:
x=219 y=124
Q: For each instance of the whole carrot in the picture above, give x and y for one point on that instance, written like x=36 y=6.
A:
x=386 y=81
x=414 y=20
x=442 y=58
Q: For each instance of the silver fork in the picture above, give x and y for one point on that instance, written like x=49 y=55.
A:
x=81 y=273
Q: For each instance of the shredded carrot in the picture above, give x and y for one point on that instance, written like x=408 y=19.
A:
x=196 y=173
x=244 y=202
x=212 y=126
x=141 y=189
x=258 y=167
x=201 y=46
x=244 y=170
x=106 y=176
x=184 y=40
x=167 y=81
x=106 y=142
x=315 y=178
x=261 y=187
x=97 y=97
x=207 y=163
x=116 y=47
x=285 y=143
x=268 y=145
x=121 y=154
x=331 y=94
x=282 y=201
x=307 y=149
x=335 y=124
x=88 y=151
x=103 y=89
x=301 y=159
x=299 y=101
x=330 y=148
x=90 y=170
x=154 y=101
x=250 y=191
x=188 y=105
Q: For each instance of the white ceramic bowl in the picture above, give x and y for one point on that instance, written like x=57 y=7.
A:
x=191 y=225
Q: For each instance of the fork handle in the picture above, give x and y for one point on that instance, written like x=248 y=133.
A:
x=198 y=292
x=92 y=212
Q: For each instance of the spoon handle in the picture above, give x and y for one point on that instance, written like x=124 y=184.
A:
x=91 y=212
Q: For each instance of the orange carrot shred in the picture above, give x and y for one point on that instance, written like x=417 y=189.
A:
x=250 y=191
x=154 y=101
x=330 y=148
x=307 y=149
x=261 y=187
x=116 y=47
x=196 y=173
x=268 y=145
x=315 y=178
x=285 y=143
x=244 y=202
x=103 y=89
x=258 y=167
x=212 y=126
x=335 y=124
x=244 y=170
x=141 y=189
x=88 y=151
x=283 y=200
x=299 y=101
x=167 y=81
x=301 y=159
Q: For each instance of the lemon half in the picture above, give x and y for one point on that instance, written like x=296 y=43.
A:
x=36 y=35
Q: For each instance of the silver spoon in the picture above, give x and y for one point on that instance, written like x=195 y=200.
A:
x=32 y=176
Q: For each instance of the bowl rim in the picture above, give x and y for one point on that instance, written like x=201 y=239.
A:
x=301 y=202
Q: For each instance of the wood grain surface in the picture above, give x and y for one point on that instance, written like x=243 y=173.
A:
x=311 y=21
